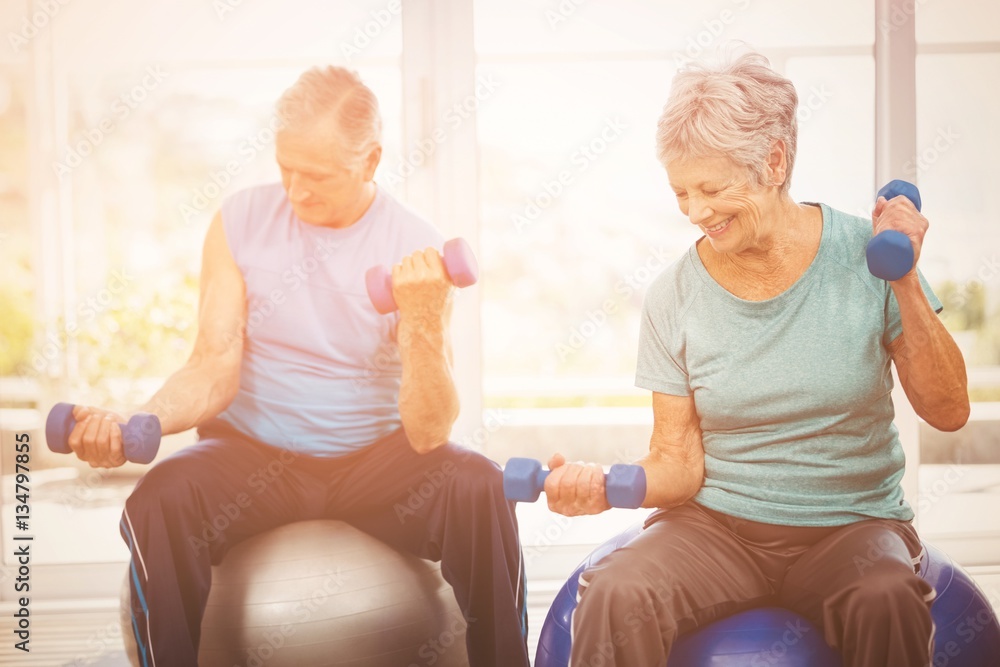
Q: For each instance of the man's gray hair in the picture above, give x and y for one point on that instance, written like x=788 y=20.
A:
x=336 y=98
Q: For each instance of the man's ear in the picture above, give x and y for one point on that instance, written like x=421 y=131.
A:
x=777 y=164
x=371 y=162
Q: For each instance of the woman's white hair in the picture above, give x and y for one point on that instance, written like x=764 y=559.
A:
x=336 y=98
x=737 y=110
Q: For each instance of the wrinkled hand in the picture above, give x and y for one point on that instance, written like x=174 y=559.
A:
x=900 y=214
x=420 y=285
x=574 y=489
x=97 y=438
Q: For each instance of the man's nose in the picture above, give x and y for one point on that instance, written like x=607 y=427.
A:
x=296 y=192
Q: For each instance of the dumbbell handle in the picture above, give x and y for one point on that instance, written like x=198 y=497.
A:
x=890 y=253
x=140 y=436
x=619 y=493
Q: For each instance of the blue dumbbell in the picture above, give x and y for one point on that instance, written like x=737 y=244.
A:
x=140 y=436
x=625 y=485
x=890 y=253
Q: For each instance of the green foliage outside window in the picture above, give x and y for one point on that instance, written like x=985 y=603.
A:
x=17 y=330
x=146 y=335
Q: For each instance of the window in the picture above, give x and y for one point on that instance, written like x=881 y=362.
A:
x=958 y=50
x=577 y=215
x=17 y=270
x=154 y=115
x=146 y=109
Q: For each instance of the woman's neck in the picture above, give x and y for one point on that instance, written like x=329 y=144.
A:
x=777 y=258
x=785 y=242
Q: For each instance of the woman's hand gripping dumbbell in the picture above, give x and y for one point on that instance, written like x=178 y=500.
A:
x=138 y=442
x=890 y=253
x=624 y=485
x=459 y=264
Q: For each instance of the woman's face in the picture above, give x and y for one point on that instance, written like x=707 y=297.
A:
x=714 y=193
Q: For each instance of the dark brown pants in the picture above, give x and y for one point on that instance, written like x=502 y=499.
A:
x=691 y=566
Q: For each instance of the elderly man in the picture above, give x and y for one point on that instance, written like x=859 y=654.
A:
x=774 y=462
x=282 y=370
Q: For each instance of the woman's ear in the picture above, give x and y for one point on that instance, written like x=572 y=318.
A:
x=777 y=164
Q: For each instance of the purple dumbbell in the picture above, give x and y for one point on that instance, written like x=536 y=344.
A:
x=624 y=484
x=140 y=436
x=459 y=263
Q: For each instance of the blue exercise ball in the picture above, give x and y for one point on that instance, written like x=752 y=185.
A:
x=966 y=631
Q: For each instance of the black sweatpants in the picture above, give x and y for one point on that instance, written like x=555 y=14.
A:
x=691 y=566
x=447 y=505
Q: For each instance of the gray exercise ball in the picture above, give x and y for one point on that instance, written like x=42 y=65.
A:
x=324 y=593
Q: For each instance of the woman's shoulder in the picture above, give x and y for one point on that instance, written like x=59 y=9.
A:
x=848 y=235
x=850 y=228
x=678 y=283
x=848 y=239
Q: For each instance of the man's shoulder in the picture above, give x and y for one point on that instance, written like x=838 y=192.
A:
x=249 y=215
x=408 y=222
x=272 y=192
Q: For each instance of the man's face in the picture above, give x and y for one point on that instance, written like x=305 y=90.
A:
x=324 y=187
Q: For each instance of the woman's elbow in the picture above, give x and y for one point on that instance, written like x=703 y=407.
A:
x=426 y=445
x=952 y=419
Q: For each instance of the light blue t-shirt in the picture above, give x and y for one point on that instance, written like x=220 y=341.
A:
x=321 y=370
x=793 y=393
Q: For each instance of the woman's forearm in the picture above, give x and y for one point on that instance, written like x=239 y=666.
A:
x=674 y=474
x=930 y=365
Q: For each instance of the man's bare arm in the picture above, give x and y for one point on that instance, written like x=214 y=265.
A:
x=209 y=380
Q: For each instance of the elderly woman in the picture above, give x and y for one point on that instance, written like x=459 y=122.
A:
x=774 y=462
